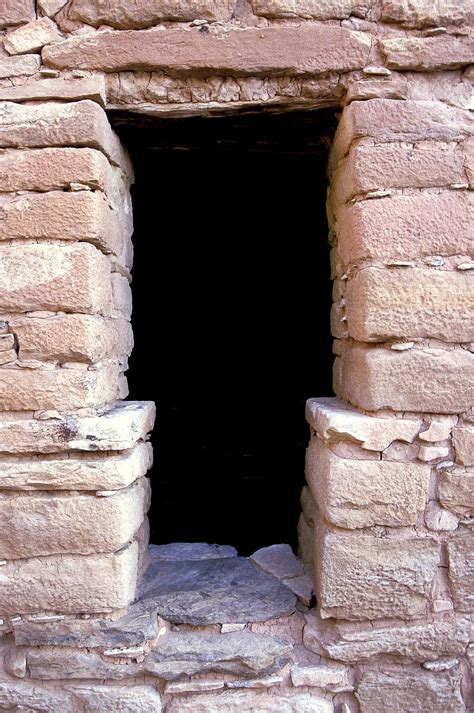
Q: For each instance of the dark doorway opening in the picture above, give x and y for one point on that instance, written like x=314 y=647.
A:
x=232 y=294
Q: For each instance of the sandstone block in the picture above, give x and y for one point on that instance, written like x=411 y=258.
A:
x=125 y=16
x=429 y=380
x=401 y=690
x=58 y=215
x=70 y=278
x=32 y=36
x=333 y=420
x=55 y=89
x=309 y=9
x=440 y=224
x=51 y=7
x=25 y=65
x=360 y=576
x=71 y=338
x=359 y=493
x=456 y=491
x=82 y=123
x=461 y=569
x=417 y=302
x=427 y=53
x=69 y=583
x=122 y=296
x=239 y=701
x=463 y=442
x=308 y=49
x=78 y=471
x=15 y=12
x=425 y=13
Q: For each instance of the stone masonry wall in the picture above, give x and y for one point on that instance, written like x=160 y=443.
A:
x=386 y=528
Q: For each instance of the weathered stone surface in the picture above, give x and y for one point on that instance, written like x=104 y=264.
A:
x=333 y=420
x=14 y=12
x=307 y=49
x=456 y=491
x=79 y=471
x=417 y=302
x=32 y=36
x=440 y=224
x=238 y=701
x=278 y=560
x=124 y=15
x=306 y=544
x=401 y=690
x=309 y=9
x=116 y=429
x=50 y=7
x=69 y=583
x=332 y=677
x=430 y=380
x=421 y=641
x=461 y=569
x=69 y=278
x=122 y=295
x=426 y=13
x=62 y=389
x=359 y=493
x=71 y=337
x=25 y=65
x=214 y=591
x=361 y=576
x=188 y=551
x=82 y=123
x=427 y=53
x=54 y=89
x=66 y=522
x=463 y=442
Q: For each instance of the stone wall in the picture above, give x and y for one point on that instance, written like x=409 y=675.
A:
x=386 y=529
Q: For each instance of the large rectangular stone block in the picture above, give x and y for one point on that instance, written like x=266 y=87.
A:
x=92 y=88
x=309 y=9
x=428 y=53
x=461 y=569
x=23 y=65
x=263 y=51
x=360 y=493
x=69 y=583
x=381 y=304
x=71 y=337
x=39 y=524
x=69 y=278
x=15 y=12
x=406 y=226
x=124 y=15
x=456 y=491
x=425 y=13
x=362 y=576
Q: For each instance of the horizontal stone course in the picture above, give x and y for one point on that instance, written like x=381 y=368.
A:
x=425 y=13
x=124 y=15
x=427 y=53
x=57 y=89
x=308 y=9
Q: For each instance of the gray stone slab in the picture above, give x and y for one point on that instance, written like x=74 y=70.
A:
x=190 y=551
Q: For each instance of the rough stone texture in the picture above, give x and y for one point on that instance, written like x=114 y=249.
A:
x=400 y=690
x=116 y=429
x=440 y=224
x=309 y=9
x=397 y=640
x=264 y=51
x=358 y=493
x=68 y=522
x=54 y=89
x=278 y=560
x=69 y=278
x=333 y=420
x=69 y=583
x=19 y=66
x=50 y=7
x=238 y=701
x=426 y=13
x=32 y=37
x=189 y=551
x=333 y=677
x=361 y=576
x=124 y=15
x=461 y=569
x=463 y=442
x=71 y=337
x=430 y=380
x=456 y=491
x=381 y=304
x=15 y=12
x=427 y=53
x=78 y=471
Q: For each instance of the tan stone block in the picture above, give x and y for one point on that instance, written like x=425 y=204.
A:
x=463 y=442
x=309 y=49
x=461 y=569
x=50 y=7
x=426 y=13
x=440 y=224
x=70 y=523
x=335 y=421
x=257 y=700
x=14 y=12
x=82 y=123
x=376 y=87
x=78 y=471
x=429 y=380
x=309 y=9
x=360 y=493
x=456 y=491
x=70 y=278
x=122 y=295
x=428 y=53
x=90 y=88
x=63 y=389
x=25 y=65
x=69 y=583
x=125 y=16
x=417 y=302
x=399 y=690
x=362 y=576
x=32 y=36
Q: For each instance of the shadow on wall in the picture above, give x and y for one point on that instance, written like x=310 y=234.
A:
x=232 y=295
